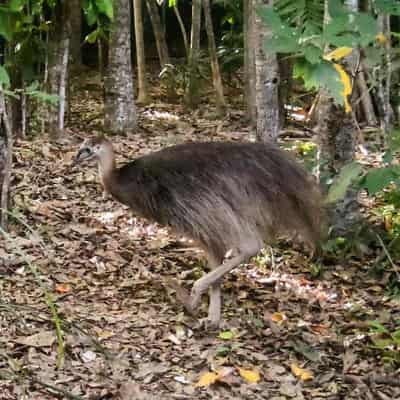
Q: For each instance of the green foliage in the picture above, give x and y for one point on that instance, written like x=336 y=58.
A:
x=230 y=51
x=377 y=179
x=175 y=77
x=99 y=14
x=373 y=180
x=322 y=74
x=387 y=7
x=347 y=175
x=298 y=29
x=4 y=77
x=95 y=10
x=33 y=91
x=230 y=47
x=386 y=341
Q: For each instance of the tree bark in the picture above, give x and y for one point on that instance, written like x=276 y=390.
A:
x=183 y=30
x=366 y=100
x=267 y=82
x=59 y=43
x=143 y=95
x=385 y=78
x=119 y=105
x=216 y=75
x=249 y=61
x=75 y=12
x=159 y=33
x=192 y=98
x=357 y=72
x=6 y=146
x=337 y=148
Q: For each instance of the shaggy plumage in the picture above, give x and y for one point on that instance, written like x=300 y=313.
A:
x=223 y=195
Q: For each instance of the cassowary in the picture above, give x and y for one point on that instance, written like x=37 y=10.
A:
x=225 y=196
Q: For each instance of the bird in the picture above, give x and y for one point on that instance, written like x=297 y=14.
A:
x=229 y=197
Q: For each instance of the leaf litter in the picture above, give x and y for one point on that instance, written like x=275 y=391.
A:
x=285 y=335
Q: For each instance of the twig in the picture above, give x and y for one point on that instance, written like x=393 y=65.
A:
x=395 y=267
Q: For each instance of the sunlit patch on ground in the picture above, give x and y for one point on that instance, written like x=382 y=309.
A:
x=160 y=115
x=299 y=286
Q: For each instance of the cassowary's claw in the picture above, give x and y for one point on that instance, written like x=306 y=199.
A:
x=181 y=294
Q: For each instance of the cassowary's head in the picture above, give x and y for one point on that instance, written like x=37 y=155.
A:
x=93 y=148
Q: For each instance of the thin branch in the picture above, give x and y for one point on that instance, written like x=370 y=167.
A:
x=4 y=193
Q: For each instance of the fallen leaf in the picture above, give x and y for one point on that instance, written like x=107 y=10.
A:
x=249 y=375
x=278 y=318
x=41 y=339
x=226 y=335
x=301 y=373
x=223 y=375
x=207 y=379
x=63 y=288
x=88 y=356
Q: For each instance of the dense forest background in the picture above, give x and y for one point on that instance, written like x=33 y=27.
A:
x=84 y=312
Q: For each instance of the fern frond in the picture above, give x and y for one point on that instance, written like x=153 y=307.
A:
x=308 y=15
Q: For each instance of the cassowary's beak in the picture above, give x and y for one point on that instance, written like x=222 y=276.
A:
x=83 y=154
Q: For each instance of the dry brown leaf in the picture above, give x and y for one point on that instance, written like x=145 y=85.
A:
x=41 y=339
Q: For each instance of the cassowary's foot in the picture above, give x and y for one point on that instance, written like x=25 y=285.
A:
x=207 y=325
x=182 y=295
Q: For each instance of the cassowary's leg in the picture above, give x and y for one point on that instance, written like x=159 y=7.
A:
x=191 y=302
x=214 y=308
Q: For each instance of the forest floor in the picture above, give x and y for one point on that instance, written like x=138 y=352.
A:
x=286 y=335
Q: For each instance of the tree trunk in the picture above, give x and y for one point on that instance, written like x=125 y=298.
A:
x=15 y=112
x=183 y=30
x=143 y=95
x=249 y=61
x=385 y=77
x=59 y=43
x=192 y=98
x=360 y=83
x=267 y=82
x=159 y=33
x=337 y=148
x=6 y=144
x=75 y=12
x=217 y=81
x=119 y=105
x=366 y=100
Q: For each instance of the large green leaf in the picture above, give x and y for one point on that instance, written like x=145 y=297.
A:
x=378 y=178
x=106 y=8
x=319 y=75
x=4 y=77
x=387 y=7
x=346 y=177
x=90 y=12
x=366 y=26
x=7 y=24
x=17 y=5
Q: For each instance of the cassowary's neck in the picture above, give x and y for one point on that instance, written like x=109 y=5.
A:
x=106 y=163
